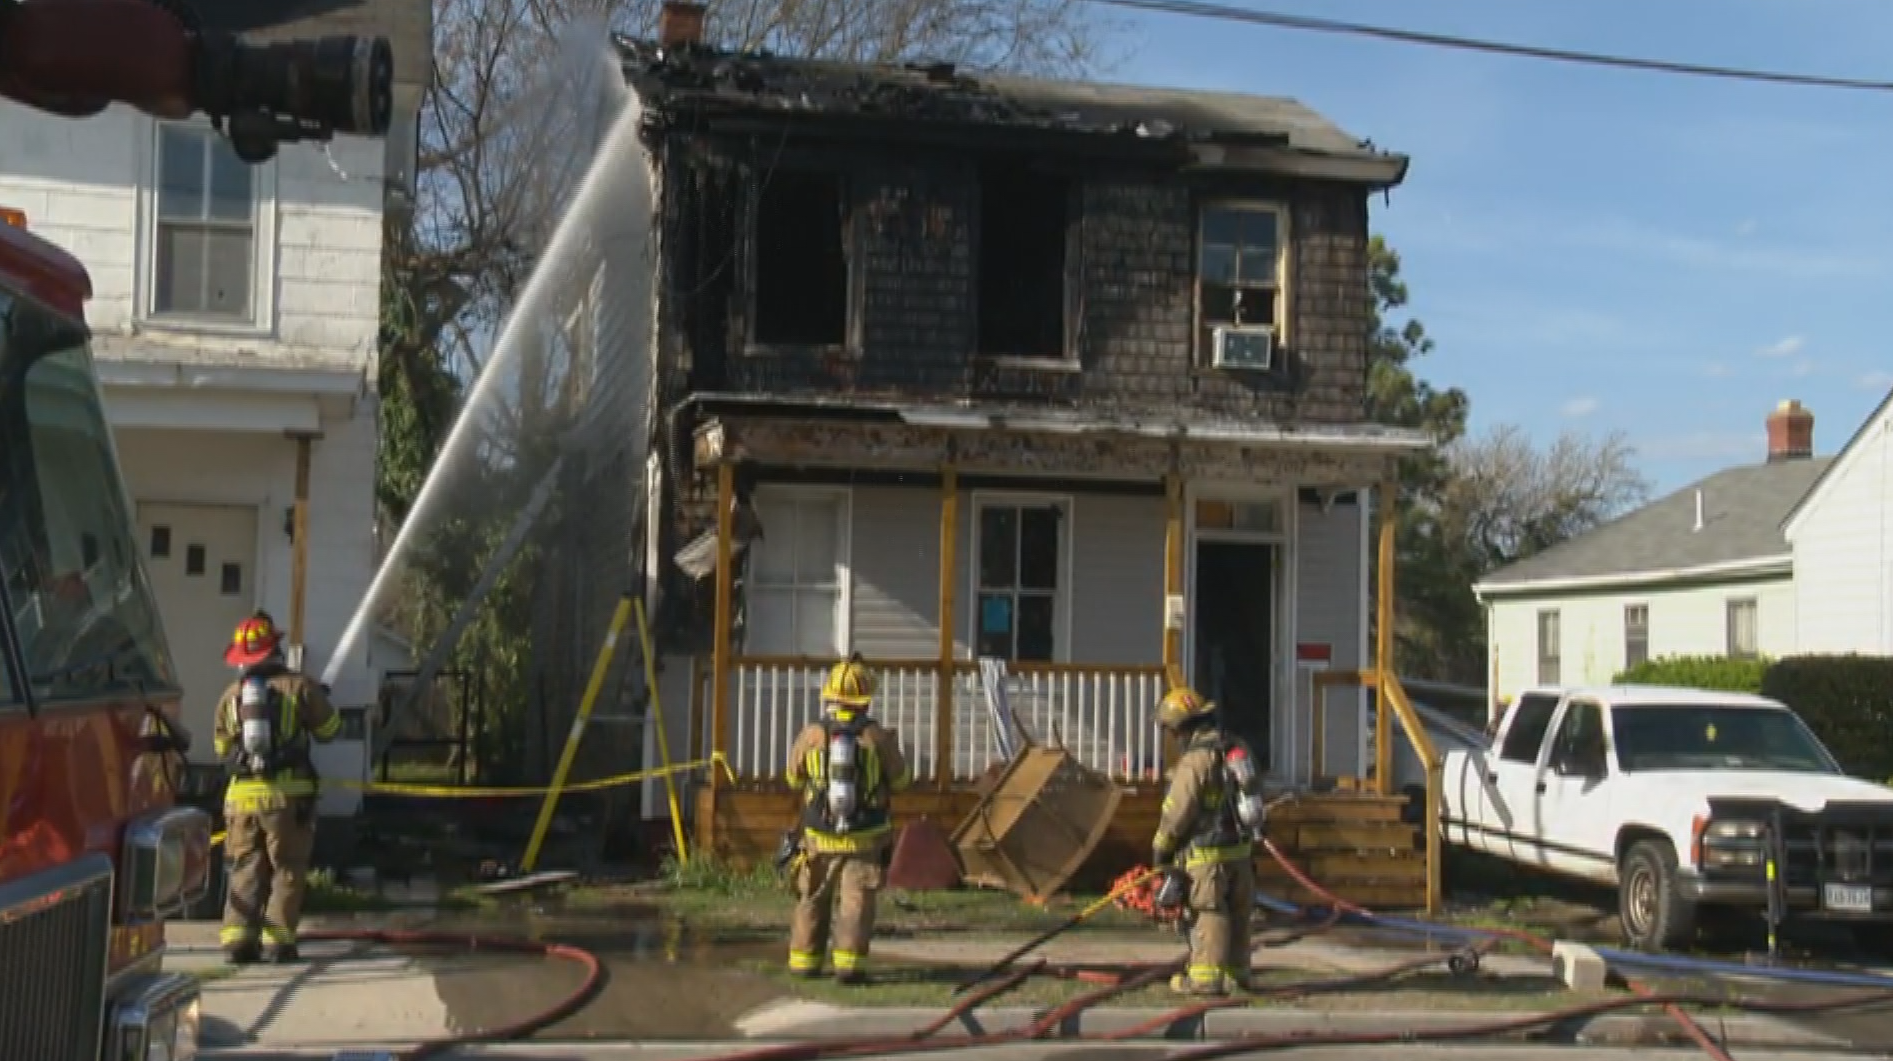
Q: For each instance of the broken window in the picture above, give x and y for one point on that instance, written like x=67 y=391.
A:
x=1239 y=281
x=1018 y=581
x=1023 y=220
x=801 y=278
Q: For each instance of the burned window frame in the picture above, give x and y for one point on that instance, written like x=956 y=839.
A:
x=1071 y=288
x=1202 y=208
x=751 y=249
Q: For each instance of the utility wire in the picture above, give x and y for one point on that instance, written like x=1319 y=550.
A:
x=1228 y=13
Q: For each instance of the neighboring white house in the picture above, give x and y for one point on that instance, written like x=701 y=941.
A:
x=1705 y=570
x=1842 y=536
x=235 y=314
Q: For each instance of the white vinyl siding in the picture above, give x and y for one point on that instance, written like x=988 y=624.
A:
x=1843 y=551
x=1682 y=621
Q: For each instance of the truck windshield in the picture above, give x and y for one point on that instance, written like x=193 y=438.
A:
x=77 y=594
x=1716 y=737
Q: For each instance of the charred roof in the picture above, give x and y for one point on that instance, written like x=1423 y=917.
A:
x=1212 y=130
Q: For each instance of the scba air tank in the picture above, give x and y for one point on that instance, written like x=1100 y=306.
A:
x=841 y=779
x=1249 y=808
x=258 y=724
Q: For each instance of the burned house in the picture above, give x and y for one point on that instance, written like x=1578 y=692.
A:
x=952 y=366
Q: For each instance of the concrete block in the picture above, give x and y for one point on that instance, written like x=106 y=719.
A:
x=1578 y=966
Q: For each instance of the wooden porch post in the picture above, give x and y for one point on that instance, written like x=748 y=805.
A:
x=720 y=643
x=1172 y=590
x=299 y=543
x=943 y=697
x=1384 y=643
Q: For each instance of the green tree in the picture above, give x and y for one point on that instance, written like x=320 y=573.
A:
x=1431 y=601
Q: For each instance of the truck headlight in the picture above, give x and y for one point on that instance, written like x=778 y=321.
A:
x=157 y=1020
x=166 y=865
x=1734 y=830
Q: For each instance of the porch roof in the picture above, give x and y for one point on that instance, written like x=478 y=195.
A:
x=154 y=383
x=863 y=434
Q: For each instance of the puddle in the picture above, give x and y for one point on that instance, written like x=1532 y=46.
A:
x=663 y=981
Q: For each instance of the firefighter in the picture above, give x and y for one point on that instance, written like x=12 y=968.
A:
x=847 y=767
x=1204 y=848
x=265 y=723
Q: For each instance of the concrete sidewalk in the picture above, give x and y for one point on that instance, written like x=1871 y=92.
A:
x=348 y=996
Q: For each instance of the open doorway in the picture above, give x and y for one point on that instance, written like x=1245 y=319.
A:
x=1234 y=636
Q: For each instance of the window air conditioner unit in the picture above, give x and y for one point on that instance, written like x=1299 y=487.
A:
x=1246 y=346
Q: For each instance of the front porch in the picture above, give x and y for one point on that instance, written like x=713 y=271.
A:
x=1237 y=563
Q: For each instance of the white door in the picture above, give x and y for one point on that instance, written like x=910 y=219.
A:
x=202 y=561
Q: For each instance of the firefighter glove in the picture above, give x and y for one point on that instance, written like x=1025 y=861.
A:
x=1172 y=890
x=787 y=850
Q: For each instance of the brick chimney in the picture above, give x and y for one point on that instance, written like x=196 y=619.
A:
x=1790 y=432
x=680 y=24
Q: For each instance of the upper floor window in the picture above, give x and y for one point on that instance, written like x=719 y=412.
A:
x=204 y=243
x=1241 y=279
x=1024 y=234
x=800 y=277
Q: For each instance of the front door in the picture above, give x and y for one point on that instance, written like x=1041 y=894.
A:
x=201 y=559
x=1234 y=637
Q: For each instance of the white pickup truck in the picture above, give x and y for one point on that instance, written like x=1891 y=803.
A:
x=1677 y=798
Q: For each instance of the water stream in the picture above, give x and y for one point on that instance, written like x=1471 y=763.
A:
x=613 y=195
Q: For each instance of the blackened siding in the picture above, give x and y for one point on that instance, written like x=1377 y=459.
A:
x=913 y=246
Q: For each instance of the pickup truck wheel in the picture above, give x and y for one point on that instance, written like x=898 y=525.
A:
x=1654 y=917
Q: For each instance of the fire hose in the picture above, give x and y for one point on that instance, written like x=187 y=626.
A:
x=1133 y=891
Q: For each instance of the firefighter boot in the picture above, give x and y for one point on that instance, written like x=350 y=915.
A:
x=245 y=953
x=284 y=954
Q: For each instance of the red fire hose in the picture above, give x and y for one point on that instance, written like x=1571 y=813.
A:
x=1691 y=1027
x=1115 y=982
x=572 y=1003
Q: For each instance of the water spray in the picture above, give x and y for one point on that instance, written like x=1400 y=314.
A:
x=619 y=147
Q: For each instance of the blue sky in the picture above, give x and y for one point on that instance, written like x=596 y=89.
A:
x=1612 y=250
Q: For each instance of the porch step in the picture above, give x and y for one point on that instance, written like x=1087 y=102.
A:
x=1349 y=838
x=1339 y=809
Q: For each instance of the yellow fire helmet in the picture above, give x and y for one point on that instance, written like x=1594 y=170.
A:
x=849 y=687
x=1181 y=705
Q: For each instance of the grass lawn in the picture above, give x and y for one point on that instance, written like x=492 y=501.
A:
x=711 y=897
x=902 y=984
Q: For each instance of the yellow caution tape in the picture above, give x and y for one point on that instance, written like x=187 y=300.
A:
x=716 y=759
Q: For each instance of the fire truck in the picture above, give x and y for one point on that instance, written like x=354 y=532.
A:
x=95 y=851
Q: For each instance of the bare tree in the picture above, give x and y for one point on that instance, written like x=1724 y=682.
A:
x=1507 y=499
x=1501 y=499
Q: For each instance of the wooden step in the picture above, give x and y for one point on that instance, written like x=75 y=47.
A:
x=1349 y=838
x=1336 y=866
x=1339 y=809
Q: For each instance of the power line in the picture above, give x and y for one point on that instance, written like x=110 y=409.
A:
x=1227 y=13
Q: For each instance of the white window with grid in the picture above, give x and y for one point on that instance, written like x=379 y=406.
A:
x=207 y=224
x=797 y=576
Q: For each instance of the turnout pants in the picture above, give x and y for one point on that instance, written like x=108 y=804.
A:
x=266 y=859
x=1222 y=903
x=835 y=897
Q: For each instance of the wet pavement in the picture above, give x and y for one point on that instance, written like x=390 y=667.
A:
x=662 y=981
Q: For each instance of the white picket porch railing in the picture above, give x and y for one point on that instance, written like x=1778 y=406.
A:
x=1104 y=715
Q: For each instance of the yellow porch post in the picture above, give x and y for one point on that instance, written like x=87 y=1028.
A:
x=1172 y=591
x=943 y=698
x=1384 y=644
x=720 y=646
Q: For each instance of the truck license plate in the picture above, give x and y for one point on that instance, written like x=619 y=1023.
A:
x=1848 y=898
